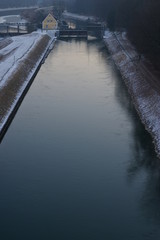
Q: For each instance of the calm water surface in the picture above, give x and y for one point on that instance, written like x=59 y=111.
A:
x=76 y=163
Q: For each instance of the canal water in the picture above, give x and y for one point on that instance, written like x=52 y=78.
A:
x=76 y=162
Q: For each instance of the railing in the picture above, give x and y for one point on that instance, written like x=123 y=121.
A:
x=13 y=28
x=14 y=24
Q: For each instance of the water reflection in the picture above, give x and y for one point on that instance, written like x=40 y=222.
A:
x=144 y=160
x=72 y=176
x=143 y=166
x=143 y=148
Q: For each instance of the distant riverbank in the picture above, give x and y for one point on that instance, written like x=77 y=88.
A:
x=141 y=82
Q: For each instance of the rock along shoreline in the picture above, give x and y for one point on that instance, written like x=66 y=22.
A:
x=140 y=81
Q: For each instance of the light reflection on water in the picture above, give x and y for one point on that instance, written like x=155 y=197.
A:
x=76 y=162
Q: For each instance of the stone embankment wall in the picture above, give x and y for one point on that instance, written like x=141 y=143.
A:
x=12 y=93
x=143 y=85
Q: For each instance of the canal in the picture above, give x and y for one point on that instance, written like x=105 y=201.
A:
x=76 y=162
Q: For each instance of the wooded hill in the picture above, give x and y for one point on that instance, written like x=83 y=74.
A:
x=140 y=18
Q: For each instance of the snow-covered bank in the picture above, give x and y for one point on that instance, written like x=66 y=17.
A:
x=141 y=82
x=12 y=19
x=19 y=60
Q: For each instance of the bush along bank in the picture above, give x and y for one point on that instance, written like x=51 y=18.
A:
x=141 y=82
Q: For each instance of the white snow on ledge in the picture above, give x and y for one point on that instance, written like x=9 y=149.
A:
x=137 y=77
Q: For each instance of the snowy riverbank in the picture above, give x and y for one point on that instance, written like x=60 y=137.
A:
x=20 y=58
x=142 y=84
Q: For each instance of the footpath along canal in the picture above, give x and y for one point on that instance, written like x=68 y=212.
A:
x=76 y=162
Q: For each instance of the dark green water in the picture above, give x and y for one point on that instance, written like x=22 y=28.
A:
x=76 y=163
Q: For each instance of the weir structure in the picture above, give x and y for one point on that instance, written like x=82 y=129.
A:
x=93 y=29
x=77 y=33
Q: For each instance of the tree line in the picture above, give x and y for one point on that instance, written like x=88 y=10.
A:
x=140 y=18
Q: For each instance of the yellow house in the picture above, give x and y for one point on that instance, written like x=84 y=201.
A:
x=49 y=23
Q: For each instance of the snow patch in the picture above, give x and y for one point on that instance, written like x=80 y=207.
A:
x=12 y=19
